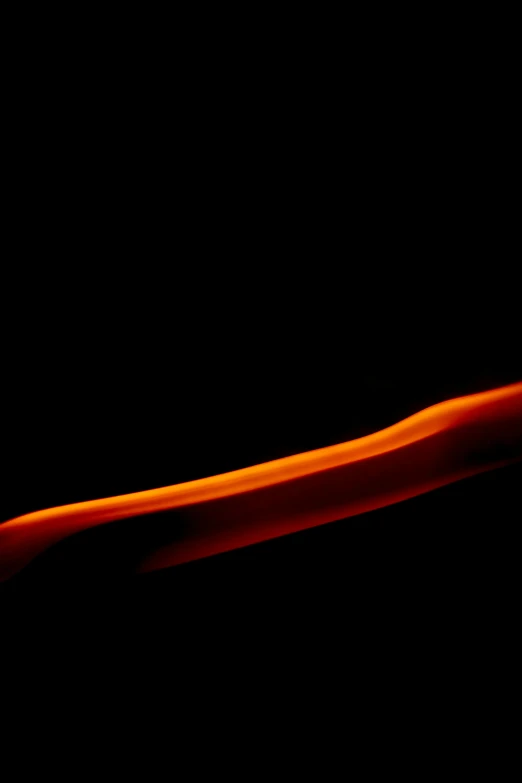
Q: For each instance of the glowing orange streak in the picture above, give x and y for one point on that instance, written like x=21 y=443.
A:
x=443 y=443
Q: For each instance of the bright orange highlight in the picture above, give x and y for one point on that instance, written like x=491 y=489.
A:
x=444 y=443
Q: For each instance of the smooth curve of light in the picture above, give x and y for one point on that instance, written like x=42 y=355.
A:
x=443 y=443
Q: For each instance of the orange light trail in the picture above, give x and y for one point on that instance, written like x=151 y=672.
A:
x=444 y=443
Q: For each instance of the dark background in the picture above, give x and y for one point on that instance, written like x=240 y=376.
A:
x=116 y=388
x=191 y=292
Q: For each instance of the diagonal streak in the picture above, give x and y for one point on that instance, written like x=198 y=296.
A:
x=444 y=443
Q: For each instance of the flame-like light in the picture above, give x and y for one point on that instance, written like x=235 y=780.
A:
x=444 y=443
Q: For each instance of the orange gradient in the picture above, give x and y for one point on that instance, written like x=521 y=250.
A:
x=444 y=443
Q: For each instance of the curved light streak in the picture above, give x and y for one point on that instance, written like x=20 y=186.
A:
x=444 y=443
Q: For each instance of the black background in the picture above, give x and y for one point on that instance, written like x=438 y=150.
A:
x=116 y=388
x=190 y=301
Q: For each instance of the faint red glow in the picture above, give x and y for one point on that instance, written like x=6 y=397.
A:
x=444 y=443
